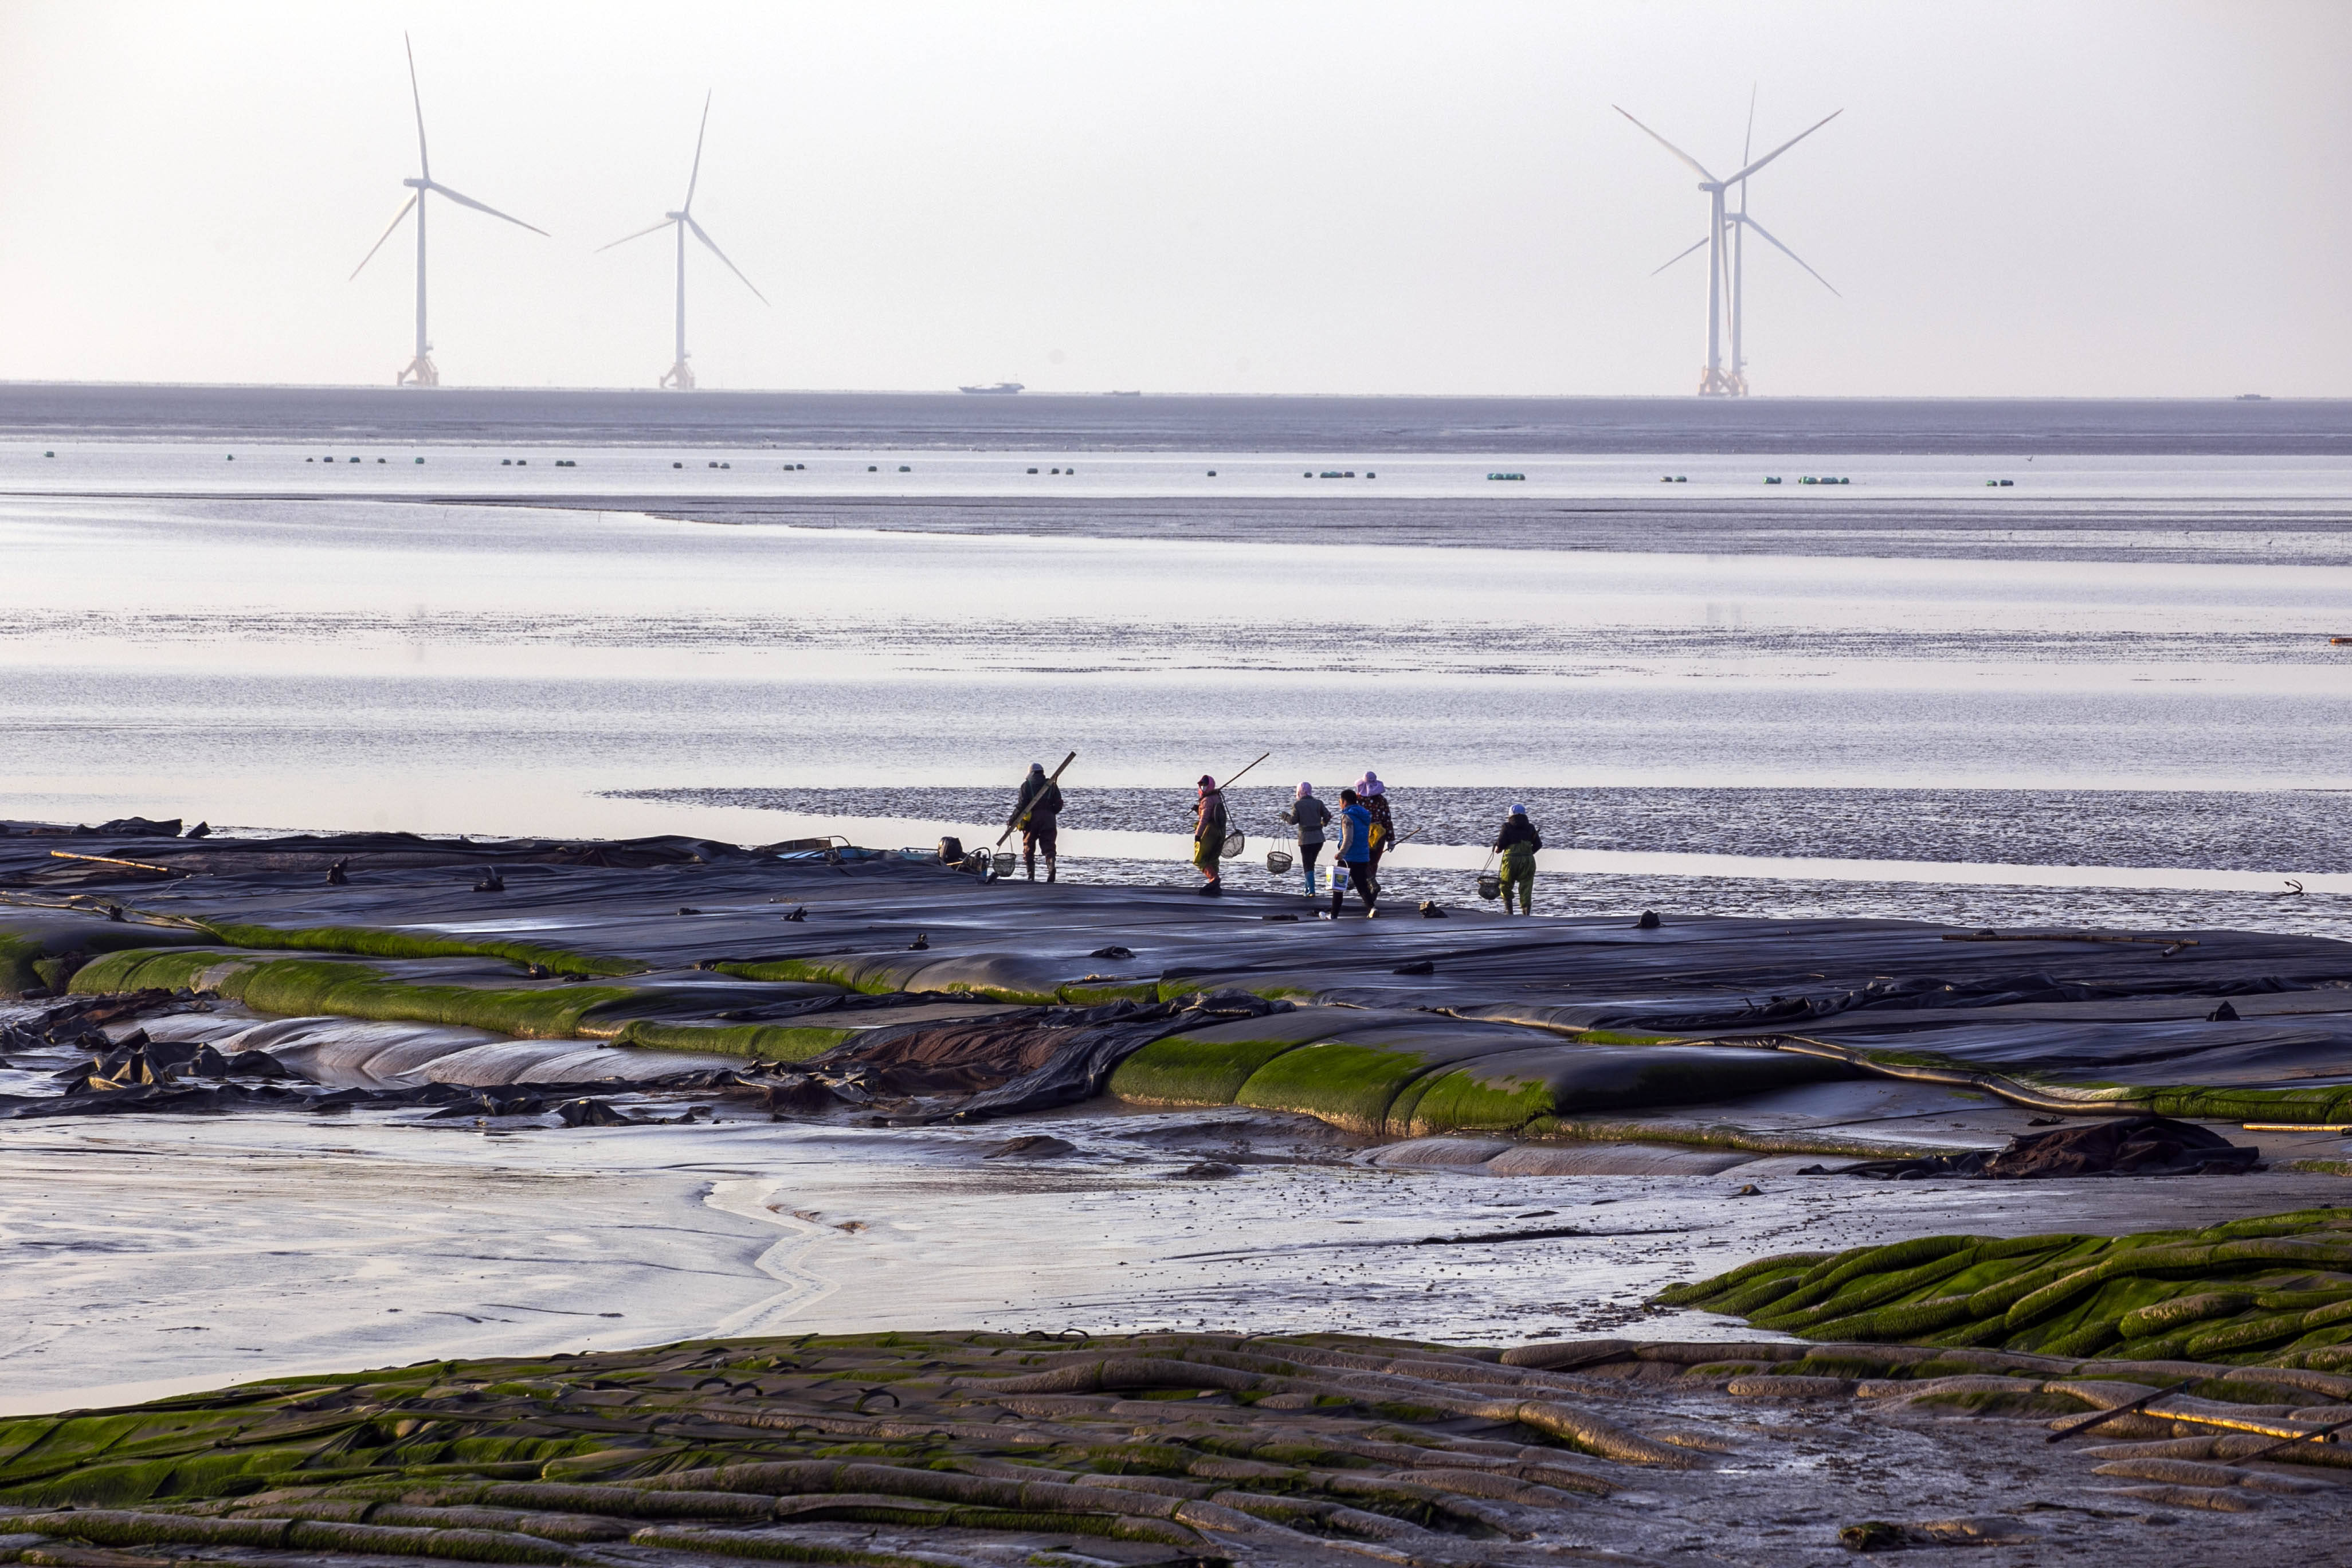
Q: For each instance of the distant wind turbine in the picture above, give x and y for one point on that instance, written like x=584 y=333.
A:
x=681 y=374
x=1725 y=245
x=421 y=371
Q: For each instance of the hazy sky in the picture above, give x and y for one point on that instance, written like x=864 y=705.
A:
x=2096 y=198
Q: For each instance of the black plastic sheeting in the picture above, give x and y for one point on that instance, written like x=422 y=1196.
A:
x=1082 y=1046
x=2132 y=1007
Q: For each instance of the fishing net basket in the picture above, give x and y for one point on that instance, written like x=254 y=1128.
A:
x=1278 y=861
x=1234 y=843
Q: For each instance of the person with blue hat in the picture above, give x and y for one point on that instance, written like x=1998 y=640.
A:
x=1519 y=842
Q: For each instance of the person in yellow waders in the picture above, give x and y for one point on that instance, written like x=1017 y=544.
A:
x=1519 y=842
x=1209 y=833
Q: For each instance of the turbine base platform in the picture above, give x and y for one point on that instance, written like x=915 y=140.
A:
x=420 y=372
x=679 y=377
x=1721 y=383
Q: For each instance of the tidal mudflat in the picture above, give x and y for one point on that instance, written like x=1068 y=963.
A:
x=1982 y=842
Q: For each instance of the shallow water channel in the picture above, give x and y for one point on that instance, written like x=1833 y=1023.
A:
x=144 y=1257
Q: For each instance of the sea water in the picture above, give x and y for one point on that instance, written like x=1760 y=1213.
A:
x=755 y=620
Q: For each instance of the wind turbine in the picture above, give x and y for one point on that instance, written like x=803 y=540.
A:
x=1726 y=245
x=421 y=371
x=681 y=374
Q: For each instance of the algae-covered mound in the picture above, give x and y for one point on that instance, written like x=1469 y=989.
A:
x=845 y=1450
x=2276 y=1290
x=989 y=1450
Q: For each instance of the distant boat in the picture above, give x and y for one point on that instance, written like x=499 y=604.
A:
x=1136 y=394
x=2254 y=397
x=1005 y=386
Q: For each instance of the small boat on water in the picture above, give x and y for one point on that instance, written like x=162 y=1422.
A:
x=1002 y=386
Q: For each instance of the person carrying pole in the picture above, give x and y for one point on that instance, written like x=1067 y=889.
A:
x=1209 y=833
x=1519 y=842
x=1038 y=810
x=1356 y=855
x=1310 y=816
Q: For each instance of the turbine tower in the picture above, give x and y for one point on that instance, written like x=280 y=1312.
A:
x=680 y=376
x=1725 y=243
x=421 y=371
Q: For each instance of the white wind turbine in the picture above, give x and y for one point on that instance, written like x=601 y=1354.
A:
x=1726 y=243
x=681 y=374
x=421 y=371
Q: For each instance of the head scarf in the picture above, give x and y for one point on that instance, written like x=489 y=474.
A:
x=1304 y=790
x=1518 y=809
x=1036 y=767
x=1371 y=784
x=1208 y=784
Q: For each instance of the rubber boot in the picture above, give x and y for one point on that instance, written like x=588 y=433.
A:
x=1050 y=868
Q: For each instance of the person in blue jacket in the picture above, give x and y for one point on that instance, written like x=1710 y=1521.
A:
x=1356 y=855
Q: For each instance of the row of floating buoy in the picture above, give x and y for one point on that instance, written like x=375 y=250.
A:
x=1326 y=474
x=2001 y=484
x=1674 y=478
x=1823 y=479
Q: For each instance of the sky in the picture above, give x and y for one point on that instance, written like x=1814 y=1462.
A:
x=2066 y=197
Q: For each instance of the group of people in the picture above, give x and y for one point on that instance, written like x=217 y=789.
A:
x=1364 y=824
x=1364 y=827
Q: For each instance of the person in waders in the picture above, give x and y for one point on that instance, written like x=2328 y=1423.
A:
x=1209 y=833
x=1310 y=816
x=1374 y=795
x=1519 y=842
x=1038 y=811
x=1356 y=855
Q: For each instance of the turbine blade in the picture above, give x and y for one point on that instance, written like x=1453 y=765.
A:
x=1791 y=255
x=639 y=235
x=1679 y=255
x=1670 y=147
x=1748 y=143
x=466 y=201
x=424 y=162
x=382 y=237
x=696 y=178
x=722 y=255
x=1784 y=146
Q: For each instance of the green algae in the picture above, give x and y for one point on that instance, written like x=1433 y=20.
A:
x=346 y=988
x=1465 y=1101
x=35 y=951
x=2265 y=1287
x=763 y=1042
x=1338 y=1081
x=1182 y=1069
x=371 y=942
x=874 y=975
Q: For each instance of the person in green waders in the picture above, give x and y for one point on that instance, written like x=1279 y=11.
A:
x=1209 y=833
x=1519 y=842
x=1039 y=812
